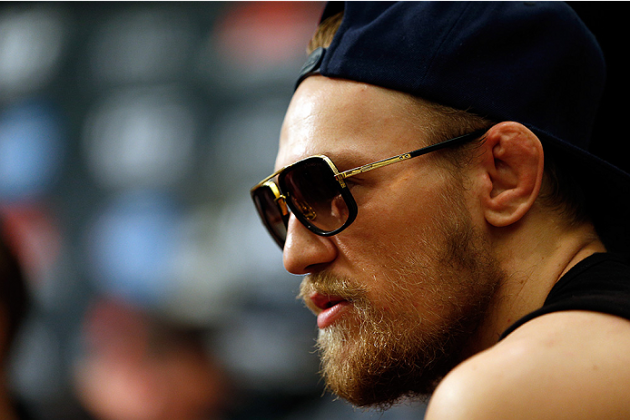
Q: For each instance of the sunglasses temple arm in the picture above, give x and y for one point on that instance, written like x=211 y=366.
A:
x=449 y=143
x=374 y=165
x=399 y=158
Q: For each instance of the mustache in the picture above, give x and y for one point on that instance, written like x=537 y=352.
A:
x=330 y=285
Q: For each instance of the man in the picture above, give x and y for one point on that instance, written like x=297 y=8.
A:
x=489 y=269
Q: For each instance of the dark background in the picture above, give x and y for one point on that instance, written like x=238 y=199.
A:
x=607 y=21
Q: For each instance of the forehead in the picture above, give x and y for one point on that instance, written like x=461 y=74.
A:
x=349 y=120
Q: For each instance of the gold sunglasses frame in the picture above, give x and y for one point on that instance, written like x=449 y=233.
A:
x=281 y=199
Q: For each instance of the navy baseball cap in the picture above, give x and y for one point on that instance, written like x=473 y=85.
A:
x=531 y=62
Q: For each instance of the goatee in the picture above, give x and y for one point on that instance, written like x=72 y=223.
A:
x=373 y=356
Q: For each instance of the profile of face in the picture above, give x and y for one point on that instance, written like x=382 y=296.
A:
x=398 y=294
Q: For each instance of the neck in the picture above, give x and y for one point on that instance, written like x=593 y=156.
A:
x=534 y=255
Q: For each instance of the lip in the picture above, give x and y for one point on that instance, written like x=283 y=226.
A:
x=329 y=308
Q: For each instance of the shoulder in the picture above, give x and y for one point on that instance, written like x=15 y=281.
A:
x=573 y=365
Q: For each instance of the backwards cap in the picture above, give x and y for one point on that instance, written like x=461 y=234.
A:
x=531 y=62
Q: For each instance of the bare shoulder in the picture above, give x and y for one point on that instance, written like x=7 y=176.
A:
x=565 y=365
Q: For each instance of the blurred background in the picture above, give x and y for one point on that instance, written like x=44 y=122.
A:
x=130 y=134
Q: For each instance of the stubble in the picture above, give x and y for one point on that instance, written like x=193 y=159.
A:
x=429 y=306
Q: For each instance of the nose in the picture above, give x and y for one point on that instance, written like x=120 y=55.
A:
x=305 y=252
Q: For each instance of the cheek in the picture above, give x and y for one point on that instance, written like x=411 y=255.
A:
x=398 y=216
x=399 y=240
x=394 y=216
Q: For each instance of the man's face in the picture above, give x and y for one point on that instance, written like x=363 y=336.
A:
x=399 y=292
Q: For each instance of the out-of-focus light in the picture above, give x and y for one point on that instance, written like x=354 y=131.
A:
x=140 y=138
x=258 y=42
x=30 y=150
x=37 y=369
x=208 y=281
x=36 y=237
x=251 y=250
x=31 y=46
x=278 y=362
x=132 y=248
x=226 y=257
x=265 y=34
x=245 y=143
x=141 y=46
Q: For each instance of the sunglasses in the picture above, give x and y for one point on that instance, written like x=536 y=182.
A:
x=315 y=191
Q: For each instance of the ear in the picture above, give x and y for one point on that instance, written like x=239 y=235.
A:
x=512 y=170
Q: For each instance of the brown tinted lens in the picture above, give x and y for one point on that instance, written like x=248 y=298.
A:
x=270 y=213
x=315 y=194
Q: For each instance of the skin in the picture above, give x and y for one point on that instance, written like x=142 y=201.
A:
x=562 y=365
x=566 y=365
x=340 y=119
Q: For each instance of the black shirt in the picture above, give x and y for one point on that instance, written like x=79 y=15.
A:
x=599 y=283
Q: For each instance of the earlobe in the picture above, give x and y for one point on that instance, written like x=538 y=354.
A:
x=513 y=168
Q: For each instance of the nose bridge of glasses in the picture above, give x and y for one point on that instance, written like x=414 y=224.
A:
x=281 y=201
x=279 y=198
